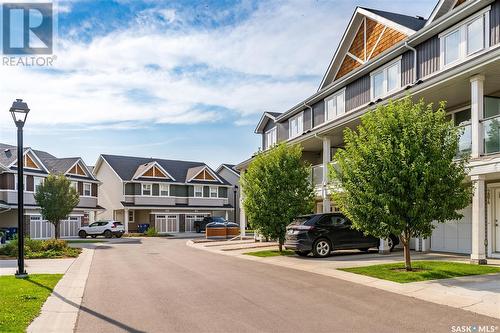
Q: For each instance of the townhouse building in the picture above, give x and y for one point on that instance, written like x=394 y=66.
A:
x=37 y=166
x=454 y=55
x=229 y=173
x=169 y=195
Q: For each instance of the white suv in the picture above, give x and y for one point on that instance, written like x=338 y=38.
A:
x=107 y=229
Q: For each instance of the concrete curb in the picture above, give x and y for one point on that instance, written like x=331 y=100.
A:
x=482 y=302
x=60 y=311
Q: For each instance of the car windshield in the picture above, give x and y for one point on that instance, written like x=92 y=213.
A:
x=218 y=219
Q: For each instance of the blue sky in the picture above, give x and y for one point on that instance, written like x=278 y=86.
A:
x=176 y=79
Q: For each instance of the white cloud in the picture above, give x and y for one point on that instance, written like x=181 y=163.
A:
x=269 y=54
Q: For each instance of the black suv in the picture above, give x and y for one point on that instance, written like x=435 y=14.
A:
x=323 y=233
x=200 y=226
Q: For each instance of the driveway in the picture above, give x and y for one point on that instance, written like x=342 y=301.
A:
x=162 y=285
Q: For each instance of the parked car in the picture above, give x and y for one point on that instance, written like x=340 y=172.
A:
x=107 y=229
x=323 y=233
x=200 y=225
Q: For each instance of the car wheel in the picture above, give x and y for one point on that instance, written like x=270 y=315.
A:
x=93 y=236
x=302 y=253
x=365 y=249
x=82 y=234
x=198 y=229
x=108 y=234
x=322 y=248
x=391 y=243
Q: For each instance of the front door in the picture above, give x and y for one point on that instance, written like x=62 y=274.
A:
x=496 y=221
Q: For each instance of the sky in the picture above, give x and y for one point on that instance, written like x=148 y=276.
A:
x=182 y=80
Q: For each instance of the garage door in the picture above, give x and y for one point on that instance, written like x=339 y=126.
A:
x=190 y=221
x=40 y=229
x=69 y=228
x=167 y=223
x=454 y=236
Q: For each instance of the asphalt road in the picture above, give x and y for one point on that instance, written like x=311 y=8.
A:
x=162 y=285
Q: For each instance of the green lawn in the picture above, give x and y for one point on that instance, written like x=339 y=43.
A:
x=423 y=270
x=270 y=253
x=21 y=299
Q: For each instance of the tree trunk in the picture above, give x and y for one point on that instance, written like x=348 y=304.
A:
x=405 y=239
x=56 y=225
x=280 y=245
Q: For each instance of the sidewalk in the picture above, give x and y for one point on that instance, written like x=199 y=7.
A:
x=480 y=294
x=60 y=311
x=37 y=266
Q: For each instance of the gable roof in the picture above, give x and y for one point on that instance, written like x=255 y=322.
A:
x=126 y=166
x=143 y=168
x=443 y=7
x=404 y=25
x=230 y=167
x=192 y=173
x=263 y=120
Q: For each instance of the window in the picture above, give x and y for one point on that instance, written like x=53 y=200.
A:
x=386 y=80
x=270 y=138
x=198 y=191
x=462 y=119
x=146 y=189
x=131 y=215
x=460 y=42
x=491 y=125
x=37 y=181
x=74 y=185
x=24 y=182
x=164 y=190
x=214 y=192
x=335 y=105
x=296 y=125
x=87 y=189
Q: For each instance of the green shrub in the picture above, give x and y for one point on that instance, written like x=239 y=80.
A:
x=151 y=232
x=9 y=249
x=54 y=244
x=35 y=248
x=33 y=245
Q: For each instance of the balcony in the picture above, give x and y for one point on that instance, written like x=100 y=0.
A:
x=491 y=135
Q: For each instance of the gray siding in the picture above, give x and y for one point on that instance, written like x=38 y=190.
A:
x=206 y=191
x=307 y=119
x=283 y=131
x=428 y=57
x=132 y=189
x=319 y=113
x=495 y=23
x=357 y=93
x=270 y=124
x=179 y=190
x=222 y=192
x=407 y=68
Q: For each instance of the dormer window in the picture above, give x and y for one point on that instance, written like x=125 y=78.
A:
x=270 y=138
x=386 y=80
x=296 y=125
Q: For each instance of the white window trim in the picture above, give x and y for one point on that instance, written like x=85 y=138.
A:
x=90 y=190
x=384 y=70
x=168 y=190
x=25 y=181
x=35 y=178
x=462 y=28
x=301 y=129
x=274 y=133
x=216 y=192
x=131 y=213
x=194 y=193
x=150 y=189
x=334 y=96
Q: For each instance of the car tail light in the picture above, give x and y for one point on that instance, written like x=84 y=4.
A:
x=113 y=226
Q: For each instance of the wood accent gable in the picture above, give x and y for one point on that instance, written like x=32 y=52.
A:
x=155 y=172
x=204 y=175
x=77 y=170
x=459 y=2
x=372 y=39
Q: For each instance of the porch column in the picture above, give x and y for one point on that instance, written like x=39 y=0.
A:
x=125 y=220
x=478 y=254
x=384 y=247
x=227 y=215
x=326 y=161
x=477 y=105
x=425 y=245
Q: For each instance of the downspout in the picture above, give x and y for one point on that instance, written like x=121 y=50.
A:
x=415 y=77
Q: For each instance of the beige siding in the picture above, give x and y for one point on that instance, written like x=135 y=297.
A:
x=110 y=192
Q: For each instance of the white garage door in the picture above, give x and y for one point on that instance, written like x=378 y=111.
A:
x=167 y=223
x=41 y=229
x=454 y=236
x=190 y=221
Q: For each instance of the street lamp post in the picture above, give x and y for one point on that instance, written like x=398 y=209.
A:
x=19 y=112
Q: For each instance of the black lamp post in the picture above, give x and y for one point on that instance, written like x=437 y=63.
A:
x=19 y=111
